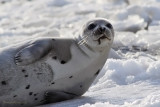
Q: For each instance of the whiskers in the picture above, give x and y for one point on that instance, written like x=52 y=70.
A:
x=83 y=40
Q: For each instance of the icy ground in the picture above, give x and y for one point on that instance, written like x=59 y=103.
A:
x=133 y=80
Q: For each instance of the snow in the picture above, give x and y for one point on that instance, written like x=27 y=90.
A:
x=131 y=75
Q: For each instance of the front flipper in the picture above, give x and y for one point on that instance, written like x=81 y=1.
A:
x=33 y=52
x=57 y=96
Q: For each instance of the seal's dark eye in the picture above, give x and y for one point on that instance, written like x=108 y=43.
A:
x=91 y=26
x=109 y=25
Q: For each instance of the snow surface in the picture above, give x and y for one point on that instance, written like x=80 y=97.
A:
x=130 y=77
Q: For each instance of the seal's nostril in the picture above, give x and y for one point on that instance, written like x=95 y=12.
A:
x=100 y=29
x=103 y=29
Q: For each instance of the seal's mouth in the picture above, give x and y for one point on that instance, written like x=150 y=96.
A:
x=102 y=37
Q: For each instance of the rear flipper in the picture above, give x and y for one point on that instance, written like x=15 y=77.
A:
x=57 y=96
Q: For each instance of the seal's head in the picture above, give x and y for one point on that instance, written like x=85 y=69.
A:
x=97 y=32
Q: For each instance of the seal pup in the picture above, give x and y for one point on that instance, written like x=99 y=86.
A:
x=52 y=69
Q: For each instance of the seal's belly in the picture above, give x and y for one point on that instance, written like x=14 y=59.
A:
x=76 y=75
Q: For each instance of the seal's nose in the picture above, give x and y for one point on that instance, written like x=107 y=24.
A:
x=101 y=30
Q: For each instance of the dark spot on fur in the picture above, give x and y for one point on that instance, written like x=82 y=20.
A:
x=80 y=86
x=19 y=61
x=30 y=93
x=97 y=72
x=53 y=39
x=39 y=73
x=4 y=83
x=63 y=62
x=23 y=70
x=71 y=77
x=53 y=83
x=36 y=99
x=28 y=86
x=26 y=76
x=15 y=96
x=54 y=57
x=35 y=94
